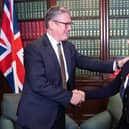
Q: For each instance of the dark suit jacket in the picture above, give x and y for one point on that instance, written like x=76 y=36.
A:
x=43 y=94
x=110 y=90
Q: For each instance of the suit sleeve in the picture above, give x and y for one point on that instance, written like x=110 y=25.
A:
x=37 y=81
x=106 y=91
x=94 y=65
x=112 y=88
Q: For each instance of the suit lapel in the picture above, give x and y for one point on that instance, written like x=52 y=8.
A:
x=50 y=53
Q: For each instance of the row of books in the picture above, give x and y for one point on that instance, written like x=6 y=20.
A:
x=119 y=11
x=86 y=73
x=119 y=27
x=119 y=47
x=32 y=29
x=82 y=7
x=87 y=47
x=28 y=10
x=36 y=28
x=36 y=9
x=88 y=28
x=118 y=7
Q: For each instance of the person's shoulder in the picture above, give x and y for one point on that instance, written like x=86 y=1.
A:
x=37 y=42
x=70 y=47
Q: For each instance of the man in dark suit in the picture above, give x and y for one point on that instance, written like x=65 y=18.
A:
x=45 y=95
x=119 y=84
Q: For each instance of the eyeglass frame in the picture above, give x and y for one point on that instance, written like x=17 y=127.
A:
x=65 y=23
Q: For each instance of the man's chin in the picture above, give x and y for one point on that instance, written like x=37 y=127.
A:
x=66 y=38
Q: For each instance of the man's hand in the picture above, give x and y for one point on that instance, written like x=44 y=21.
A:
x=122 y=61
x=78 y=97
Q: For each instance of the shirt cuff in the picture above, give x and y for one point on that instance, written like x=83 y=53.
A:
x=114 y=66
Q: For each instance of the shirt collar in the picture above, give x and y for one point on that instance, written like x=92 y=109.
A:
x=52 y=40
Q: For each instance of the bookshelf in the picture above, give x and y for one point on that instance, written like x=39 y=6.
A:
x=30 y=10
x=119 y=28
x=85 y=34
x=100 y=29
x=30 y=15
x=85 y=16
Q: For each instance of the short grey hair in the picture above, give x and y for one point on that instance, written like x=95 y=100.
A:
x=54 y=12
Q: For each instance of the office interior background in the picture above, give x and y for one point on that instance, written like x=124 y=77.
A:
x=100 y=29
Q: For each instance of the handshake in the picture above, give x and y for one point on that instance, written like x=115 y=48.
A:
x=78 y=97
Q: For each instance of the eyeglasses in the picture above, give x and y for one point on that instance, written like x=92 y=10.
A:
x=65 y=23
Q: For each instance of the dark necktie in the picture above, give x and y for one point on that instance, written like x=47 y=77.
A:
x=62 y=66
x=122 y=89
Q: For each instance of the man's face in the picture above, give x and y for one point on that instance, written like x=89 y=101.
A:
x=62 y=27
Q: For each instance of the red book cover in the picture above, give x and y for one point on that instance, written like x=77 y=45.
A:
x=51 y=3
x=33 y=26
x=22 y=29
x=42 y=27
x=37 y=29
x=26 y=30
x=19 y=25
x=30 y=30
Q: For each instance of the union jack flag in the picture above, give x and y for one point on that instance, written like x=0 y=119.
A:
x=11 y=49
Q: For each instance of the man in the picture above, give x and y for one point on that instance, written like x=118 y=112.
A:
x=50 y=63
x=119 y=84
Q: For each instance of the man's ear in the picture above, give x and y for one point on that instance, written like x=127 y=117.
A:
x=51 y=24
